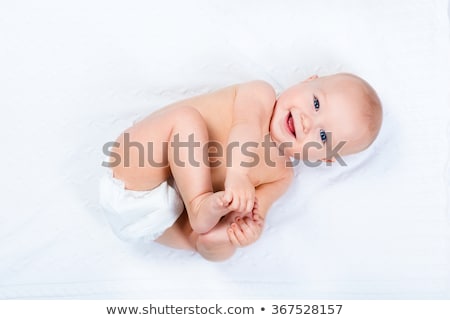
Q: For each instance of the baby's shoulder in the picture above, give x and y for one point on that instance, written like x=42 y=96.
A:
x=260 y=90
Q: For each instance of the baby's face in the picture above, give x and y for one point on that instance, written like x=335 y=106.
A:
x=318 y=114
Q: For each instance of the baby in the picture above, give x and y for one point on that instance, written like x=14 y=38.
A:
x=202 y=173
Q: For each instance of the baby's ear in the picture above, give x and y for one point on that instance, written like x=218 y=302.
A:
x=314 y=76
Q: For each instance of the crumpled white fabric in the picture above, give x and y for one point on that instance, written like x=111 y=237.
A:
x=139 y=216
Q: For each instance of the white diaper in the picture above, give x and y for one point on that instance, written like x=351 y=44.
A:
x=139 y=216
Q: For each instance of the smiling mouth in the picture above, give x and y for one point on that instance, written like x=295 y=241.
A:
x=290 y=124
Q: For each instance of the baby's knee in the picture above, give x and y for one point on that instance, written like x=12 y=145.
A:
x=189 y=117
x=188 y=125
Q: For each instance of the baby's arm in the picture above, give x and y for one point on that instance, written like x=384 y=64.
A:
x=252 y=109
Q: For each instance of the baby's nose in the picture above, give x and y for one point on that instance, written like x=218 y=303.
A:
x=306 y=123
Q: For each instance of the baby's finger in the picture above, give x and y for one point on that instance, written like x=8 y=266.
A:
x=249 y=206
x=255 y=226
x=232 y=237
x=234 y=205
x=238 y=233
x=227 y=197
x=241 y=205
x=255 y=206
x=248 y=202
x=258 y=219
x=248 y=227
x=256 y=203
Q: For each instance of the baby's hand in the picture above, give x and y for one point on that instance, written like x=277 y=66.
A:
x=245 y=230
x=239 y=193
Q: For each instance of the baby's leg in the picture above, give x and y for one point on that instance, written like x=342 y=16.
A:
x=173 y=139
x=189 y=165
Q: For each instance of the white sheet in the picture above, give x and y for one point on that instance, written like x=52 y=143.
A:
x=73 y=75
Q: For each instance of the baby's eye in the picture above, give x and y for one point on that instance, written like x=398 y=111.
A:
x=316 y=104
x=323 y=136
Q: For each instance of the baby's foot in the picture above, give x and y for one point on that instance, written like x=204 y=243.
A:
x=215 y=204
x=206 y=213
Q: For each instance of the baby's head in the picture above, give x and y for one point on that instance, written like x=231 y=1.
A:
x=324 y=113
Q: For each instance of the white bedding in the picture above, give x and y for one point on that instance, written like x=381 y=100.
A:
x=73 y=75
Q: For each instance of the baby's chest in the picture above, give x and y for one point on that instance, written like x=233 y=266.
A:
x=262 y=167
